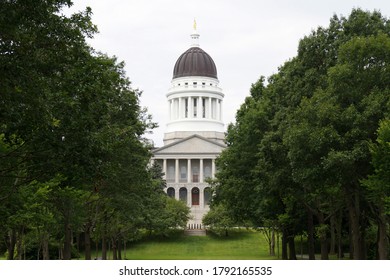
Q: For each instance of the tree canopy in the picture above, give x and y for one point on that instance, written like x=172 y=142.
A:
x=73 y=160
x=300 y=147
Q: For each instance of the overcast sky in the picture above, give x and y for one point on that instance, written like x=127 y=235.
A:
x=245 y=38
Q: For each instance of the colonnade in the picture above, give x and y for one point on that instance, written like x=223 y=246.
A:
x=189 y=170
x=197 y=107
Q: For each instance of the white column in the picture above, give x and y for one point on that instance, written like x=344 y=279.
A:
x=199 y=104
x=201 y=198
x=176 y=170
x=201 y=170
x=190 y=108
x=180 y=109
x=209 y=115
x=213 y=168
x=176 y=193
x=165 y=168
x=189 y=171
x=221 y=113
x=217 y=104
x=174 y=109
x=188 y=197
x=170 y=110
x=213 y=109
x=173 y=113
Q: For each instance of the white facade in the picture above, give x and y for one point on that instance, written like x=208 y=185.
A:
x=187 y=163
x=194 y=134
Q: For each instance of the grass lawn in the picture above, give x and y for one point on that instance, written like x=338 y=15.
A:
x=240 y=245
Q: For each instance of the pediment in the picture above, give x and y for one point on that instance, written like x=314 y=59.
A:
x=191 y=145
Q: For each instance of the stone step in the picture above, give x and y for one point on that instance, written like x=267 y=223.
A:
x=195 y=232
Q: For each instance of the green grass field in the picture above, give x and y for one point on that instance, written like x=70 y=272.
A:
x=239 y=245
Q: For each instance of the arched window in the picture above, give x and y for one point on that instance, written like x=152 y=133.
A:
x=171 y=192
x=207 y=196
x=195 y=196
x=183 y=195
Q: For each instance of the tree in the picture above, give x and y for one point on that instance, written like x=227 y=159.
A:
x=301 y=142
x=219 y=220
x=378 y=186
x=68 y=112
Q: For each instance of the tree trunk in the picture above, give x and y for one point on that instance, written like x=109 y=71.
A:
x=278 y=243
x=45 y=246
x=19 y=243
x=124 y=248
x=119 y=248
x=272 y=245
x=340 y=253
x=383 y=241
x=87 y=241
x=104 y=248
x=67 y=242
x=292 y=255
x=332 y=250
x=353 y=205
x=310 y=236
x=323 y=237
x=284 y=246
x=114 y=249
x=351 y=253
x=11 y=241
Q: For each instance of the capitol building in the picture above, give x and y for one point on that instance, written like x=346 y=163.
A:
x=194 y=135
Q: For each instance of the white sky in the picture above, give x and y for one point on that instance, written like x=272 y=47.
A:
x=245 y=38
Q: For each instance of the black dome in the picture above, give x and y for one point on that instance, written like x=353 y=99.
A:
x=195 y=62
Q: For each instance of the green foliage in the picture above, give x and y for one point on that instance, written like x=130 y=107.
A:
x=219 y=220
x=300 y=145
x=378 y=183
x=73 y=157
x=169 y=215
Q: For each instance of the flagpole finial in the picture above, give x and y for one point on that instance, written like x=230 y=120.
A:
x=195 y=36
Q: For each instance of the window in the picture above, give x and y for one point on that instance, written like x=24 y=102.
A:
x=207 y=163
x=171 y=174
x=183 y=194
x=195 y=196
x=171 y=192
x=207 y=196
x=195 y=107
x=203 y=107
x=186 y=107
x=183 y=172
x=207 y=172
x=195 y=174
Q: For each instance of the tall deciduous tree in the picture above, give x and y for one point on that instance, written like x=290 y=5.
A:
x=378 y=186
x=304 y=140
x=68 y=112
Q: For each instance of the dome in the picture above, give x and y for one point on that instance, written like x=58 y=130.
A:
x=195 y=62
